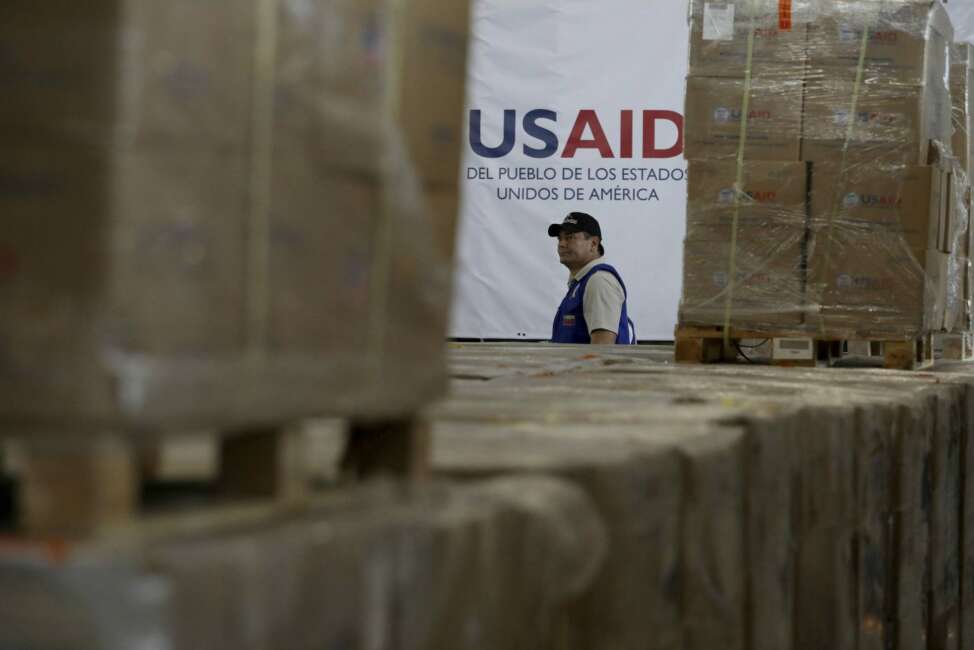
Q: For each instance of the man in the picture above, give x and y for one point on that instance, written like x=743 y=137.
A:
x=594 y=309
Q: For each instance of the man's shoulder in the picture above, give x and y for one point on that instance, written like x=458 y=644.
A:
x=604 y=270
x=603 y=280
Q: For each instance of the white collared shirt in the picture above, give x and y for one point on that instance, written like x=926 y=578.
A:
x=602 y=304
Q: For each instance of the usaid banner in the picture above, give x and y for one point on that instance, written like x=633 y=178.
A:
x=572 y=105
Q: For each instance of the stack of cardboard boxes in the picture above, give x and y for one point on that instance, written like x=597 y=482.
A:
x=878 y=260
x=875 y=241
x=962 y=109
x=752 y=267
x=225 y=199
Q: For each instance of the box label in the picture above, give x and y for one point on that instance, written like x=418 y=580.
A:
x=795 y=349
x=718 y=21
x=784 y=15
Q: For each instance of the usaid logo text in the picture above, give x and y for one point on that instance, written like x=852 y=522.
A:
x=871 y=118
x=587 y=133
x=726 y=195
x=856 y=200
x=849 y=33
x=723 y=115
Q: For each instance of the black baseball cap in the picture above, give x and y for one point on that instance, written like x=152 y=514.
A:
x=578 y=222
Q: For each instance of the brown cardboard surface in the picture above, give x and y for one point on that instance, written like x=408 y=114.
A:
x=343 y=97
x=136 y=274
x=767 y=291
x=774 y=196
x=873 y=228
x=728 y=58
x=960 y=115
x=128 y=72
x=433 y=79
x=144 y=74
x=969 y=105
x=893 y=123
x=444 y=205
x=713 y=114
x=863 y=198
x=874 y=289
x=896 y=43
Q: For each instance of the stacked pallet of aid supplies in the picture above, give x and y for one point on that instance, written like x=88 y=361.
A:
x=826 y=200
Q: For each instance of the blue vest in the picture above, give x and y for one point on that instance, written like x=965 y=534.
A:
x=570 y=326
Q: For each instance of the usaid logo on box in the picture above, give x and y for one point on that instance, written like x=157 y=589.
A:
x=723 y=115
x=726 y=196
x=850 y=200
x=840 y=117
x=856 y=200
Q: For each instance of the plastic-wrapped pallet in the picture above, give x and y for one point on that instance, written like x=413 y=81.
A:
x=865 y=236
x=489 y=565
x=224 y=200
x=883 y=232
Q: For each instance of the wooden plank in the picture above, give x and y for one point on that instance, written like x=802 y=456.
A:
x=697 y=350
x=900 y=355
x=72 y=488
x=263 y=462
x=958 y=346
x=391 y=447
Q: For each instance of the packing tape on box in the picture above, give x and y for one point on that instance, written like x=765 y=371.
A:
x=850 y=128
x=258 y=223
x=738 y=185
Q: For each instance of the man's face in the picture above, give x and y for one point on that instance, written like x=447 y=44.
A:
x=576 y=249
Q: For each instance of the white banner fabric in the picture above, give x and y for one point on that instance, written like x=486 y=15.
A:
x=572 y=105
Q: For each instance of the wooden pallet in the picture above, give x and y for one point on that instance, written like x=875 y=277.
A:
x=76 y=487
x=957 y=346
x=796 y=348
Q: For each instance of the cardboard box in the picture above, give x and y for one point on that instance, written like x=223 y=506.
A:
x=866 y=290
x=433 y=83
x=874 y=264
x=718 y=40
x=265 y=271
x=774 y=198
x=141 y=74
x=444 y=205
x=342 y=96
x=768 y=290
x=960 y=75
x=907 y=41
x=893 y=123
x=127 y=73
x=864 y=198
x=713 y=118
x=968 y=281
